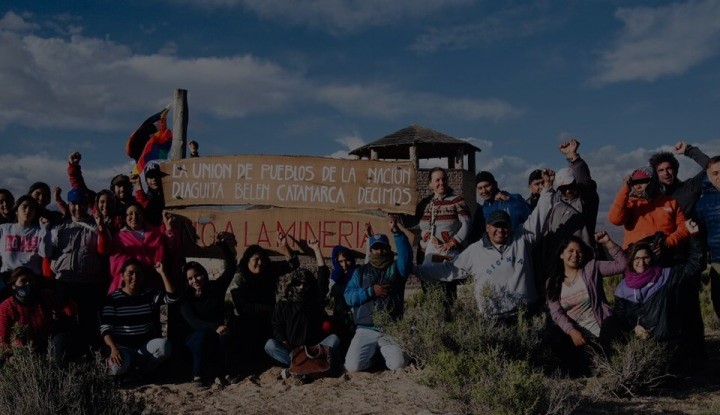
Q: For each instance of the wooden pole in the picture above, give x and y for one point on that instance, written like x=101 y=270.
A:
x=179 y=126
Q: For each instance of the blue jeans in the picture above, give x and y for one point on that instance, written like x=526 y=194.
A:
x=279 y=352
x=146 y=358
x=207 y=344
x=364 y=345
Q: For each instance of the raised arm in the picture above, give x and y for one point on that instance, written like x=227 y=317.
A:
x=619 y=213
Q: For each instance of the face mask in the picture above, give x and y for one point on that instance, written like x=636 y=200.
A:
x=24 y=294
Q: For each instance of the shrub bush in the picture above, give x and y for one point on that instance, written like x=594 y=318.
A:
x=489 y=367
x=36 y=385
x=640 y=366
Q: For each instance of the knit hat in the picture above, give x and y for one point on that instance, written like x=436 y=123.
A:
x=485 y=176
x=564 y=177
x=119 y=180
x=641 y=175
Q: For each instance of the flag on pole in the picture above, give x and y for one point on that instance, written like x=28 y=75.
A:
x=151 y=141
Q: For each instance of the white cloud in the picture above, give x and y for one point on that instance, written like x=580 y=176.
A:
x=351 y=142
x=337 y=15
x=16 y=23
x=662 y=41
x=89 y=83
x=18 y=172
x=511 y=23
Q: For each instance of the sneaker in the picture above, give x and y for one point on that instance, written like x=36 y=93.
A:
x=285 y=374
x=197 y=382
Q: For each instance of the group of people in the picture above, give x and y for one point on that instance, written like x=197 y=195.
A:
x=92 y=275
x=544 y=253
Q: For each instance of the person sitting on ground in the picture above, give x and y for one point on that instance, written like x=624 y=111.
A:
x=647 y=295
x=378 y=285
x=501 y=261
x=577 y=303
x=645 y=213
x=253 y=292
x=535 y=184
x=129 y=321
x=29 y=319
x=7 y=201
x=297 y=319
x=332 y=288
x=203 y=309
x=491 y=198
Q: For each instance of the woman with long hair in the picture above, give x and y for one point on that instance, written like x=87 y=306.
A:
x=203 y=309
x=577 y=302
x=254 y=289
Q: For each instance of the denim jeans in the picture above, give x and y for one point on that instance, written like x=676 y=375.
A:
x=280 y=353
x=364 y=345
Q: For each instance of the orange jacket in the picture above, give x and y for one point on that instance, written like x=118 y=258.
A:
x=645 y=217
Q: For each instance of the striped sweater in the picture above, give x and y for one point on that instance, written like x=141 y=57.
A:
x=133 y=320
x=446 y=218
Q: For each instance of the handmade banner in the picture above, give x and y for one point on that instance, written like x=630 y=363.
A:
x=291 y=181
x=261 y=227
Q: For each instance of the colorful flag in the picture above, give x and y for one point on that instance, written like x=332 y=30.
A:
x=151 y=141
x=136 y=143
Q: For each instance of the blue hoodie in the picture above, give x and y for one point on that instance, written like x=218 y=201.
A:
x=707 y=210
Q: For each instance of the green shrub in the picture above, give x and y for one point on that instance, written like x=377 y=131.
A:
x=36 y=385
x=489 y=367
x=640 y=366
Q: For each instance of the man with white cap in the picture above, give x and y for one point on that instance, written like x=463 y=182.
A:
x=378 y=285
x=576 y=201
x=501 y=263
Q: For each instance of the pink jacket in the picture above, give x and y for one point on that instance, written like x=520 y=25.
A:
x=126 y=245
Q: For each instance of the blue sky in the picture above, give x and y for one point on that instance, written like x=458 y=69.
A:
x=319 y=77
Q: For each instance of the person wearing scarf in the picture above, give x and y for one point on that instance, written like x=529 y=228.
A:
x=378 y=285
x=647 y=298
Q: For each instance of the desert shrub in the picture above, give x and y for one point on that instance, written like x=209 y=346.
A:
x=489 y=367
x=36 y=384
x=640 y=366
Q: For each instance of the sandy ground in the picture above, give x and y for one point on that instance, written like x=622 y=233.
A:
x=359 y=393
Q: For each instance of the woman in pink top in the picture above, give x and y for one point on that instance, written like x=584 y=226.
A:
x=577 y=302
x=140 y=240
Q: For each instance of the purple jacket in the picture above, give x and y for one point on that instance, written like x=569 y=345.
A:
x=591 y=275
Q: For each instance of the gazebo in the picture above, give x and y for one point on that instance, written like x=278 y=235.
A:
x=417 y=142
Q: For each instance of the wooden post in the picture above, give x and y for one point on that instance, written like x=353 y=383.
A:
x=459 y=155
x=413 y=157
x=179 y=126
x=471 y=162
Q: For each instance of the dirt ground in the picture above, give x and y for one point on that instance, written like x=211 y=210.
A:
x=697 y=391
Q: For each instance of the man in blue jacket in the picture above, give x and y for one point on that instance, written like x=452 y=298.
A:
x=378 y=285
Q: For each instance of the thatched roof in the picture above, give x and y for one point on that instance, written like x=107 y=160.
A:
x=428 y=142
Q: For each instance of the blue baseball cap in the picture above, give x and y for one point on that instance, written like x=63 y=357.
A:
x=379 y=238
x=76 y=196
